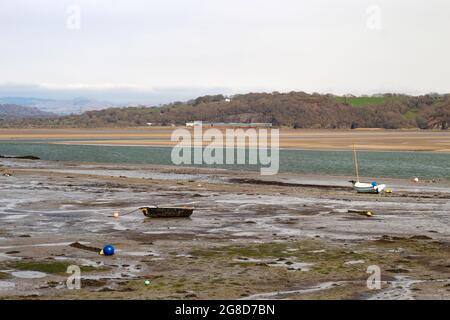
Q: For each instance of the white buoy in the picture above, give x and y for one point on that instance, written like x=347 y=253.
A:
x=116 y=214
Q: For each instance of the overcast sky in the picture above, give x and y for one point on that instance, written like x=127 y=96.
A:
x=154 y=51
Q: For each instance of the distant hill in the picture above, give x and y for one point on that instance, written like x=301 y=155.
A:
x=61 y=107
x=11 y=111
x=293 y=109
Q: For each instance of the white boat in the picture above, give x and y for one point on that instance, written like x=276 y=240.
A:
x=364 y=187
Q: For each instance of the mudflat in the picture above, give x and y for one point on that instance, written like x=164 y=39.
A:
x=365 y=139
x=250 y=237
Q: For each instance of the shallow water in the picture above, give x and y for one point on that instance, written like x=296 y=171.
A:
x=377 y=164
x=4 y=285
x=299 y=266
x=277 y=294
x=29 y=274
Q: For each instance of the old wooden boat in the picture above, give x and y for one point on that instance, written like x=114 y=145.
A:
x=167 y=212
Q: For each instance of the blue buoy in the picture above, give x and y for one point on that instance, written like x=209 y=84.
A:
x=108 y=250
x=374 y=184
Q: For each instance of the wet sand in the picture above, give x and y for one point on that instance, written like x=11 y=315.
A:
x=380 y=140
x=283 y=237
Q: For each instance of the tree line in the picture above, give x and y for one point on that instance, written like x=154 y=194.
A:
x=293 y=109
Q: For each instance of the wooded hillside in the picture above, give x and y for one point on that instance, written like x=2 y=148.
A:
x=294 y=109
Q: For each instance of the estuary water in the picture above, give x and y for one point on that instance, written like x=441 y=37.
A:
x=425 y=165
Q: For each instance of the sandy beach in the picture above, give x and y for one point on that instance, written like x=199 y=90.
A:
x=379 y=140
x=284 y=237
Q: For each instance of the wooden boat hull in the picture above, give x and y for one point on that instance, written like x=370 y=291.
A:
x=156 y=212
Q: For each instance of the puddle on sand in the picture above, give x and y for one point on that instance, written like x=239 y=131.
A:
x=249 y=260
x=245 y=234
x=141 y=253
x=6 y=285
x=401 y=289
x=275 y=294
x=298 y=266
x=354 y=262
x=14 y=217
x=29 y=274
x=4 y=256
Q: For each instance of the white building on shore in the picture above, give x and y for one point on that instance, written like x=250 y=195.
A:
x=194 y=123
x=228 y=124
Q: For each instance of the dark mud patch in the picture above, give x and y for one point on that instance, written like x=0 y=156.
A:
x=20 y=157
x=152 y=237
x=53 y=284
x=418 y=196
x=80 y=246
x=198 y=195
x=421 y=237
x=286 y=221
x=397 y=270
x=288 y=184
x=90 y=204
x=93 y=282
x=305 y=211
x=385 y=239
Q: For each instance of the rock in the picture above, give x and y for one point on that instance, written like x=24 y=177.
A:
x=421 y=237
x=397 y=270
x=78 y=245
x=21 y=157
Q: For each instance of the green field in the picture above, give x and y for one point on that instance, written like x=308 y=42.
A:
x=365 y=101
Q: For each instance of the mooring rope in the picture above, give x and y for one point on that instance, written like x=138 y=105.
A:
x=130 y=212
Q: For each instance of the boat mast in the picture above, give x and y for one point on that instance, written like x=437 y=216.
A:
x=356 y=163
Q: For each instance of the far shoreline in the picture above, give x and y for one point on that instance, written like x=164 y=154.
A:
x=381 y=140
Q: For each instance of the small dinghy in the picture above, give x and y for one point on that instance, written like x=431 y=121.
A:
x=363 y=187
x=373 y=187
x=167 y=212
